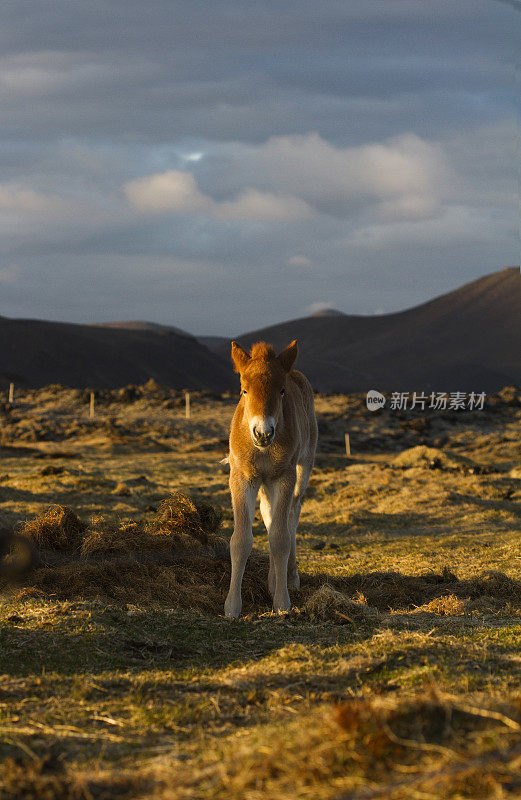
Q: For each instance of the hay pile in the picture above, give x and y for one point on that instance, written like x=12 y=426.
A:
x=178 y=559
x=58 y=528
x=180 y=524
x=328 y=604
x=430 y=457
x=448 y=606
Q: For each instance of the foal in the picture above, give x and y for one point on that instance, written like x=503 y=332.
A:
x=273 y=439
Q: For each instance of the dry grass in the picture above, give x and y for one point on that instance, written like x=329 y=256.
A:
x=121 y=679
x=58 y=528
x=48 y=779
x=328 y=604
x=373 y=748
x=433 y=457
x=181 y=523
x=448 y=605
x=177 y=559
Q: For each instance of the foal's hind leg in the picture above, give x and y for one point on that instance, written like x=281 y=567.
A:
x=303 y=473
x=265 y=509
x=294 y=516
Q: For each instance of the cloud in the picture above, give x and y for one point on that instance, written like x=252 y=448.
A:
x=172 y=190
x=380 y=135
x=406 y=174
x=16 y=199
x=262 y=207
x=403 y=178
x=457 y=224
x=177 y=192
x=51 y=73
x=317 y=307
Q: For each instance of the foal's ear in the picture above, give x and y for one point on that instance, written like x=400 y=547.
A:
x=239 y=357
x=288 y=356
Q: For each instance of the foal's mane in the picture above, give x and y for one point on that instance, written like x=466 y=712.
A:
x=262 y=351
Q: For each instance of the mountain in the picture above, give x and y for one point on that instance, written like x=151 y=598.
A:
x=328 y=312
x=34 y=353
x=140 y=325
x=466 y=340
x=213 y=342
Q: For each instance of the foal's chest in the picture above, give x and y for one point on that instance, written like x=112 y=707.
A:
x=270 y=464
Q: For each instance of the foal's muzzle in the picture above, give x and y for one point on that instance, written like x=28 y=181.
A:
x=263 y=438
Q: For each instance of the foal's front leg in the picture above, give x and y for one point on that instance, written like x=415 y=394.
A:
x=241 y=542
x=279 y=535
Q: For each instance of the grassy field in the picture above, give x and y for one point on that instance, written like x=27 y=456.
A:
x=396 y=674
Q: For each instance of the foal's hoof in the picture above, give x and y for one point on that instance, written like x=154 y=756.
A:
x=232 y=607
x=282 y=604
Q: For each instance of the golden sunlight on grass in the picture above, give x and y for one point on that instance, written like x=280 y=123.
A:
x=395 y=675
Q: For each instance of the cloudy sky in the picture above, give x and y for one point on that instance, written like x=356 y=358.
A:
x=224 y=165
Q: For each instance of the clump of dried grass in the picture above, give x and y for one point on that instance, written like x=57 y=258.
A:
x=181 y=516
x=58 y=528
x=447 y=605
x=423 y=456
x=198 y=583
x=106 y=538
x=415 y=724
x=121 y=489
x=181 y=523
x=179 y=559
x=328 y=604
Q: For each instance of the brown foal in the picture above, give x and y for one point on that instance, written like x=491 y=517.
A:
x=273 y=439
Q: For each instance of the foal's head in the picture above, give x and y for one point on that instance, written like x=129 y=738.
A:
x=263 y=384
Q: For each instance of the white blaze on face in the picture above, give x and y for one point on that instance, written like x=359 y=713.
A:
x=262 y=430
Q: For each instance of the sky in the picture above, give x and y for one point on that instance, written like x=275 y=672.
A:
x=221 y=166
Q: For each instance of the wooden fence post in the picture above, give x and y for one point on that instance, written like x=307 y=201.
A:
x=11 y=393
x=348 y=445
x=91 y=406
x=187 y=405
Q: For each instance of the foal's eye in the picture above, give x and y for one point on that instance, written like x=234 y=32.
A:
x=282 y=392
x=243 y=391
